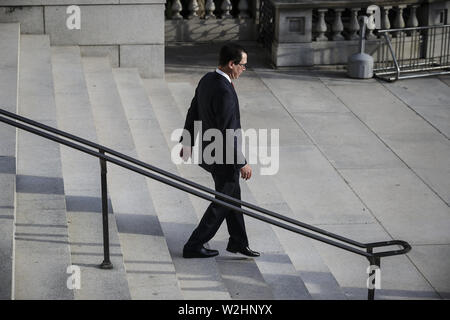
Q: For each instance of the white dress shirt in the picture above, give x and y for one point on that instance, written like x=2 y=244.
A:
x=223 y=74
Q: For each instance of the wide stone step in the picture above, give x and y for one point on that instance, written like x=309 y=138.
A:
x=167 y=201
x=242 y=277
x=198 y=278
x=151 y=254
x=42 y=253
x=9 y=71
x=82 y=185
x=150 y=273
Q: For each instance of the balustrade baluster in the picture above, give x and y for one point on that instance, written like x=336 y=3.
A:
x=385 y=23
x=337 y=26
x=243 y=9
x=353 y=27
x=176 y=9
x=371 y=27
x=412 y=22
x=399 y=21
x=226 y=8
x=193 y=8
x=321 y=26
x=209 y=9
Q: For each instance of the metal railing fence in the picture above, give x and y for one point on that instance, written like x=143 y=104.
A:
x=105 y=154
x=413 y=52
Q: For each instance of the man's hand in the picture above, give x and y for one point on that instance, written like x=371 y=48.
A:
x=185 y=152
x=246 y=172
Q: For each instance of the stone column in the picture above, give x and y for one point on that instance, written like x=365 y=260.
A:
x=321 y=26
x=337 y=26
x=437 y=13
x=353 y=27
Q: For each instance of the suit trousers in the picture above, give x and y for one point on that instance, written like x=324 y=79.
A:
x=215 y=214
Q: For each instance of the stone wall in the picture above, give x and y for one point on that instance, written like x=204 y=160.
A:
x=131 y=32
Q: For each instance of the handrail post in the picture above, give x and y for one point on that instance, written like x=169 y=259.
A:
x=372 y=280
x=106 y=264
x=397 y=67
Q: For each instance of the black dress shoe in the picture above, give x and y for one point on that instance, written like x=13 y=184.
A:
x=245 y=251
x=199 y=253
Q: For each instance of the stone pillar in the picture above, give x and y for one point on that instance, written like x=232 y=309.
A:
x=337 y=26
x=354 y=24
x=293 y=35
x=321 y=26
x=436 y=14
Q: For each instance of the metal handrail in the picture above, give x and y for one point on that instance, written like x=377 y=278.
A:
x=193 y=188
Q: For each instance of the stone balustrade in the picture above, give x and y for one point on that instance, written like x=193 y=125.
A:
x=310 y=32
x=330 y=25
x=297 y=32
x=211 y=20
x=338 y=20
x=208 y=9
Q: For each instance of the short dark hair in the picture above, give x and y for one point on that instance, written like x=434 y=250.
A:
x=231 y=52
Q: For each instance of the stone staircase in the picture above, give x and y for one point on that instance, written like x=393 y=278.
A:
x=9 y=69
x=50 y=209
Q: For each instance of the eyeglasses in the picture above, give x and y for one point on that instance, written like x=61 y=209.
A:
x=245 y=65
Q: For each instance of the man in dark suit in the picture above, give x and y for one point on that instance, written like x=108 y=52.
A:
x=216 y=105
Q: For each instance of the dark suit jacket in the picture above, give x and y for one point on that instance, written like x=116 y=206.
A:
x=216 y=105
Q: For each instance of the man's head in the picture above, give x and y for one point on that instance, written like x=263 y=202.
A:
x=232 y=60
